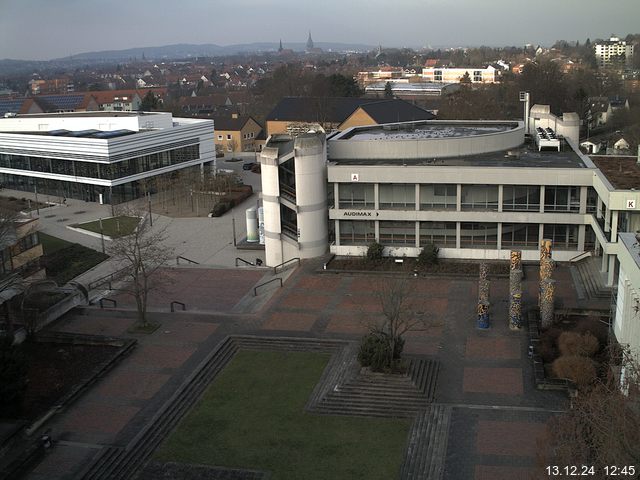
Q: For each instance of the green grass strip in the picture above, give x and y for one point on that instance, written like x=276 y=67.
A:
x=252 y=417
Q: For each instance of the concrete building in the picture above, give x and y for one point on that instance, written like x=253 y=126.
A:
x=613 y=52
x=626 y=326
x=410 y=90
x=454 y=75
x=99 y=156
x=477 y=189
x=294 y=197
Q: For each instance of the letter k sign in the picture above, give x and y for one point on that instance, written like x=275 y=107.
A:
x=631 y=204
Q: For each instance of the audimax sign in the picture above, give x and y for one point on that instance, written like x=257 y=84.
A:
x=359 y=213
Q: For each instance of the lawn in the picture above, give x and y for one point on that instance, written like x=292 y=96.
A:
x=112 y=227
x=65 y=260
x=252 y=416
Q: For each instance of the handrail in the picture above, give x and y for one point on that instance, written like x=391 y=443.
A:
x=106 y=279
x=244 y=261
x=580 y=256
x=255 y=290
x=185 y=258
x=275 y=269
x=115 y=304
x=175 y=302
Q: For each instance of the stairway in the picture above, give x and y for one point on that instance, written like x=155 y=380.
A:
x=587 y=273
x=364 y=393
x=122 y=463
x=427 y=445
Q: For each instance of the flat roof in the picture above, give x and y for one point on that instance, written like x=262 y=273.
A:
x=526 y=155
x=622 y=172
x=99 y=113
x=425 y=130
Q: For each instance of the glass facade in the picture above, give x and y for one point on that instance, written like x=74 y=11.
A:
x=94 y=170
x=480 y=197
x=442 y=234
x=562 y=199
x=564 y=237
x=105 y=171
x=82 y=191
x=357 y=232
x=521 y=235
x=438 y=197
x=397 y=196
x=478 y=235
x=357 y=196
x=517 y=198
x=398 y=233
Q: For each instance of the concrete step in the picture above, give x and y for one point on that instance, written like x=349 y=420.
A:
x=121 y=463
x=427 y=445
x=592 y=280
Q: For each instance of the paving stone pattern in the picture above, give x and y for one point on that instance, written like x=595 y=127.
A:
x=483 y=406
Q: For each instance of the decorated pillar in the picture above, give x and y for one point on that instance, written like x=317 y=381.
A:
x=483 y=297
x=483 y=315
x=547 y=302
x=515 y=290
x=546 y=265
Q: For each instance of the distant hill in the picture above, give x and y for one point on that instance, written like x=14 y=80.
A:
x=184 y=50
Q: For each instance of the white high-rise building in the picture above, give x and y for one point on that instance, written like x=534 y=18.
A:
x=609 y=51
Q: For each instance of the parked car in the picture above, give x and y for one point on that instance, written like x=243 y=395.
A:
x=248 y=165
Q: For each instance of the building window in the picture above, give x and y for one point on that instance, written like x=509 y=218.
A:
x=356 y=195
x=354 y=232
x=220 y=137
x=521 y=235
x=562 y=199
x=592 y=200
x=564 y=237
x=437 y=75
x=397 y=196
x=519 y=198
x=438 y=197
x=398 y=233
x=228 y=136
x=441 y=234
x=480 y=197
x=478 y=235
x=477 y=75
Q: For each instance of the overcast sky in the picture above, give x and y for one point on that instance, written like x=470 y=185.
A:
x=45 y=29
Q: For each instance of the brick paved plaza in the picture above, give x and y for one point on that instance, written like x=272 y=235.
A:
x=497 y=414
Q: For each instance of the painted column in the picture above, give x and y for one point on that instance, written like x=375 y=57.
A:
x=483 y=297
x=515 y=290
x=547 y=302
x=547 y=284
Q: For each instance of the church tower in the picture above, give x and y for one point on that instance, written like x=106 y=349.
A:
x=309 y=42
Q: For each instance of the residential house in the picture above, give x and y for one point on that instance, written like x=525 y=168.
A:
x=296 y=115
x=118 y=100
x=235 y=133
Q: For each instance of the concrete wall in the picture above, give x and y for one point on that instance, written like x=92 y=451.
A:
x=427 y=148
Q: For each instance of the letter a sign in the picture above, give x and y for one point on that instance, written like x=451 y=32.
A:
x=355 y=177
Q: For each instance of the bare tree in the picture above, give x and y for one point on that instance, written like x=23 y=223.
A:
x=9 y=279
x=401 y=313
x=142 y=254
x=603 y=425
